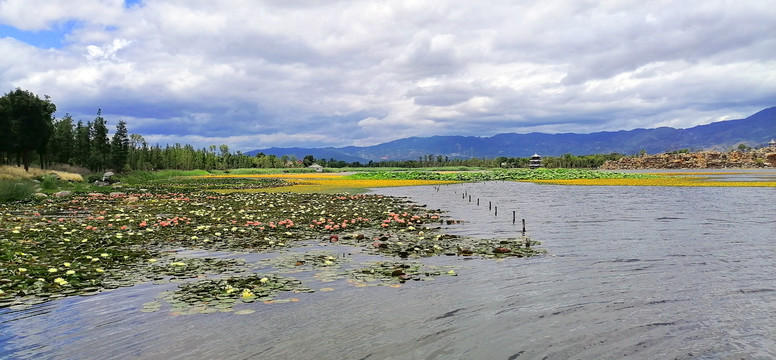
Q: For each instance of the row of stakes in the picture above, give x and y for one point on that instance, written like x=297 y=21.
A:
x=490 y=207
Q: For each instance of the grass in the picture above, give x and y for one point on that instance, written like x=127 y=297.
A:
x=15 y=190
x=259 y=171
x=143 y=177
x=15 y=173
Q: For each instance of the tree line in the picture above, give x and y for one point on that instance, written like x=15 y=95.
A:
x=28 y=131
x=563 y=161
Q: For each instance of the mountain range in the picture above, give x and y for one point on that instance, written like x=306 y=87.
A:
x=754 y=130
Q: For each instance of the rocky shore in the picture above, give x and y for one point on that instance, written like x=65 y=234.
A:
x=756 y=158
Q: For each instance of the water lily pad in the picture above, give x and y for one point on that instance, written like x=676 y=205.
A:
x=88 y=243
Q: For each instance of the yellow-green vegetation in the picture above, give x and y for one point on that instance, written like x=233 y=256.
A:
x=333 y=183
x=324 y=183
x=572 y=177
x=16 y=173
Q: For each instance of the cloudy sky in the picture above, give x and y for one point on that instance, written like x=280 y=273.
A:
x=314 y=73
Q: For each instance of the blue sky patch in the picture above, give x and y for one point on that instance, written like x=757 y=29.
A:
x=129 y=3
x=44 y=39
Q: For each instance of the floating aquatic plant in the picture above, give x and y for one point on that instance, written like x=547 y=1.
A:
x=85 y=243
x=395 y=273
x=212 y=295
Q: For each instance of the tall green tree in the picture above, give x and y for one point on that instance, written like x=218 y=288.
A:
x=119 y=146
x=82 y=143
x=7 y=136
x=62 y=144
x=100 y=147
x=28 y=119
x=138 y=152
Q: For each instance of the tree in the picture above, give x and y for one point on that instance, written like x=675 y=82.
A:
x=119 y=146
x=138 y=149
x=82 y=143
x=62 y=144
x=27 y=124
x=224 y=158
x=100 y=147
x=7 y=136
x=308 y=160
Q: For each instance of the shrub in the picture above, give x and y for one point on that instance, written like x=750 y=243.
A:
x=15 y=190
x=49 y=182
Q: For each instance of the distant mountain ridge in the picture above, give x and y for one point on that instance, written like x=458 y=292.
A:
x=754 y=130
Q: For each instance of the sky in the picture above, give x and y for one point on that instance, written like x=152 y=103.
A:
x=313 y=73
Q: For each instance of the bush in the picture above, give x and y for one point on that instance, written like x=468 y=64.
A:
x=91 y=178
x=14 y=190
x=49 y=182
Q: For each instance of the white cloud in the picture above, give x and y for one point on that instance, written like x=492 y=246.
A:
x=313 y=73
x=107 y=52
x=35 y=15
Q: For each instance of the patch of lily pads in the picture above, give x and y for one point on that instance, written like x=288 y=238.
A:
x=306 y=261
x=178 y=268
x=82 y=244
x=395 y=273
x=206 y=183
x=423 y=242
x=221 y=295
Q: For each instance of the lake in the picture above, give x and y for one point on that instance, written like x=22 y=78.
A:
x=639 y=272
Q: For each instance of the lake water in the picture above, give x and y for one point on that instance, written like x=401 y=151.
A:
x=637 y=272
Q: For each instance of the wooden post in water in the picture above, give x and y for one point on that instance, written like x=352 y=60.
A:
x=496 y=214
x=513 y=216
x=523 y=226
x=478 y=201
x=470 y=198
x=490 y=206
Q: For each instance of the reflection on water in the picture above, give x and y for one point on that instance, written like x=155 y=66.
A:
x=644 y=272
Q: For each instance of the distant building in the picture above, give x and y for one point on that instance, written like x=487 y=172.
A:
x=772 y=143
x=317 y=167
x=535 y=161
